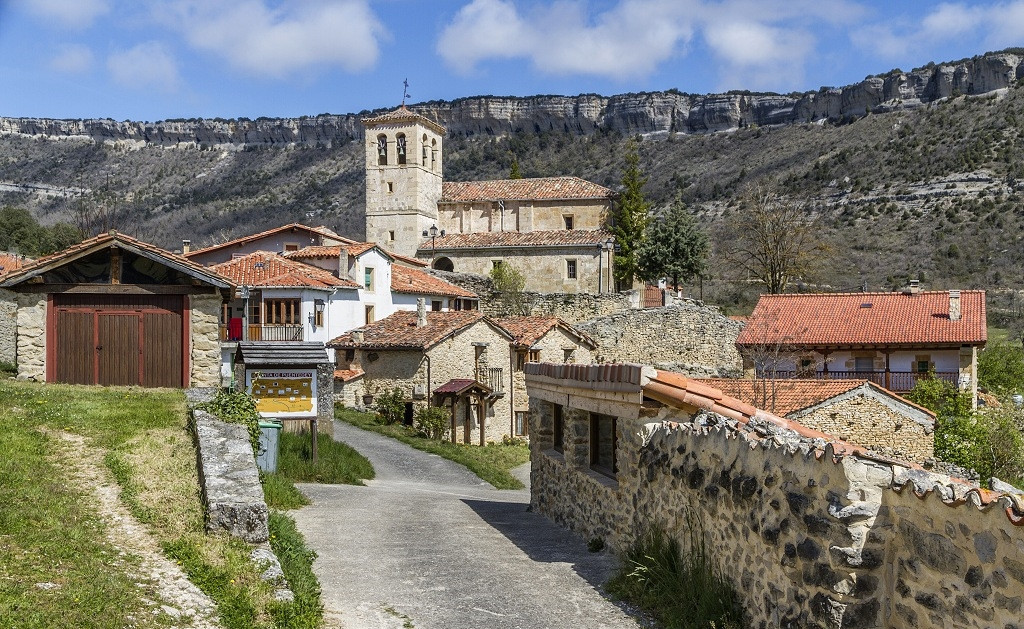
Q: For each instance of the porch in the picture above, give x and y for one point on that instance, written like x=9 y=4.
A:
x=896 y=381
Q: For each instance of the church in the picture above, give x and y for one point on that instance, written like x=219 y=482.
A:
x=552 y=229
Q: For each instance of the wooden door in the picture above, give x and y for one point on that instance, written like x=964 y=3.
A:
x=117 y=349
x=75 y=347
x=161 y=350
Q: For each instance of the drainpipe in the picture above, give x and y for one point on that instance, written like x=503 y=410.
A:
x=430 y=386
x=501 y=208
x=511 y=391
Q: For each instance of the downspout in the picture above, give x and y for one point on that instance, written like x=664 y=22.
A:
x=501 y=208
x=511 y=391
x=429 y=385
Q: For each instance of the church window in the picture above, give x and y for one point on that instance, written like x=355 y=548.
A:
x=570 y=269
x=391 y=235
x=391 y=186
x=382 y=150
x=433 y=154
x=425 y=149
x=400 y=148
x=568 y=221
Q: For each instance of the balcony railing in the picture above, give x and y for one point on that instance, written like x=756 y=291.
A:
x=900 y=381
x=492 y=377
x=268 y=332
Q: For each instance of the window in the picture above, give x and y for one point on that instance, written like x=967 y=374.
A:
x=603 y=441
x=433 y=154
x=318 y=318
x=496 y=263
x=526 y=356
x=863 y=363
x=522 y=426
x=369 y=315
x=805 y=366
x=391 y=186
x=282 y=311
x=350 y=355
x=557 y=428
x=922 y=364
x=567 y=354
x=570 y=269
x=424 y=149
x=400 y=148
x=291 y=246
x=568 y=221
x=391 y=235
x=368 y=278
x=382 y=150
x=254 y=312
x=435 y=305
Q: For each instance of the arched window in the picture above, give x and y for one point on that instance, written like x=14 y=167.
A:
x=433 y=155
x=382 y=150
x=444 y=264
x=425 y=149
x=400 y=148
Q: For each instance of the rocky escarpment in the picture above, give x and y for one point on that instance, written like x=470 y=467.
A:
x=650 y=112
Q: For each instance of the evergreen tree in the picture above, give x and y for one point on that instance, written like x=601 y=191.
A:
x=514 y=172
x=676 y=247
x=629 y=218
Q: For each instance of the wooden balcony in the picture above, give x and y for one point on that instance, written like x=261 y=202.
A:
x=492 y=379
x=898 y=381
x=274 y=333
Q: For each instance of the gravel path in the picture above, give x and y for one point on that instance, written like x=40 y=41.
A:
x=427 y=544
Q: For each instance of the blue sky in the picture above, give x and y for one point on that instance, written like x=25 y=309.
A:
x=158 y=59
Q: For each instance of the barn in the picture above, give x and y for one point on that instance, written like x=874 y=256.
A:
x=113 y=310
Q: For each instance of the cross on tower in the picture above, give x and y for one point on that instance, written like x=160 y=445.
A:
x=405 y=91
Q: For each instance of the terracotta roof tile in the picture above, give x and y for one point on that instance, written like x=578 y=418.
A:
x=844 y=319
x=11 y=261
x=537 y=189
x=526 y=331
x=788 y=395
x=403 y=114
x=488 y=240
x=323 y=231
x=267 y=269
x=400 y=332
x=347 y=375
x=417 y=282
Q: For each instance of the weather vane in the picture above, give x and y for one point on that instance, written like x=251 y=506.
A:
x=405 y=91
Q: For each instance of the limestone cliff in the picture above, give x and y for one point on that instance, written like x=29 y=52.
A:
x=650 y=112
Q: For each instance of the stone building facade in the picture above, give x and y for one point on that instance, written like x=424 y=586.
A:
x=810 y=530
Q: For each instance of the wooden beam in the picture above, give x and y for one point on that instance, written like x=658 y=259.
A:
x=116 y=289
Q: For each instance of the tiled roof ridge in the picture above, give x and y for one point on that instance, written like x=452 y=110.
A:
x=549 y=321
x=547 y=188
x=323 y=231
x=876 y=293
x=407 y=318
x=419 y=282
x=290 y=267
x=503 y=239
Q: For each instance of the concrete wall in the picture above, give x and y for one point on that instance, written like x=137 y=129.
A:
x=808 y=539
x=687 y=337
x=8 y=327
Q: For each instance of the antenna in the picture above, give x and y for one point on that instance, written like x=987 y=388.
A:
x=405 y=91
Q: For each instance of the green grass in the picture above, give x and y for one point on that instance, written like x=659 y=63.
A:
x=337 y=463
x=491 y=463
x=297 y=563
x=280 y=492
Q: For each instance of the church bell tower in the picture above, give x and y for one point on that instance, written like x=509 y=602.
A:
x=403 y=178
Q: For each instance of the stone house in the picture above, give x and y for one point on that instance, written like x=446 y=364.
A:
x=858 y=411
x=540 y=339
x=809 y=529
x=455 y=359
x=893 y=339
x=8 y=310
x=113 y=310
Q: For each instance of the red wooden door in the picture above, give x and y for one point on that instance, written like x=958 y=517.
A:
x=117 y=349
x=76 y=363
x=161 y=350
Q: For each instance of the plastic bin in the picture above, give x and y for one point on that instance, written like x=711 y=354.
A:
x=270 y=444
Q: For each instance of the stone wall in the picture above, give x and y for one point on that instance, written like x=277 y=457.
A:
x=807 y=538
x=32 y=336
x=870 y=422
x=8 y=327
x=687 y=337
x=544 y=269
x=204 y=325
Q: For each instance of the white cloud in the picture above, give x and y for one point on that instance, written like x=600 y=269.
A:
x=69 y=13
x=758 y=56
x=146 y=66
x=73 y=59
x=277 y=39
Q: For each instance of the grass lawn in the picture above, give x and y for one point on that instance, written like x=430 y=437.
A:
x=337 y=463
x=52 y=532
x=491 y=463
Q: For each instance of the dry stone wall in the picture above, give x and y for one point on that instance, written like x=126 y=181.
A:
x=8 y=327
x=204 y=324
x=687 y=337
x=31 y=336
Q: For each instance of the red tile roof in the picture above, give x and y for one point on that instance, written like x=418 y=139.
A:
x=538 y=189
x=526 y=331
x=417 y=282
x=400 y=332
x=459 y=385
x=323 y=231
x=403 y=114
x=266 y=269
x=347 y=375
x=866 y=319
x=11 y=261
x=189 y=267
x=355 y=249
x=789 y=395
x=490 y=240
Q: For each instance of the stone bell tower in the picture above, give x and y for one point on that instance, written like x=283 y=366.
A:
x=403 y=178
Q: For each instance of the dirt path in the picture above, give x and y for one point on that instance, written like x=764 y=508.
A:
x=179 y=597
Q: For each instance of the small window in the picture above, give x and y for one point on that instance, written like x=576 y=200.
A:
x=368 y=278
x=863 y=364
x=254 y=312
x=369 y=314
x=391 y=186
x=391 y=235
x=382 y=150
x=435 y=305
x=283 y=311
x=496 y=263
x=570 y=269
x=568 y=221
x=526 y=356
x=922 y=364
x=603 y=442
x=567 y=355
x=350 y=355
x=522 y=426
x=291 y=246
x=400 y=148
x=557 y=428
x=425 y=149
x=433 y=154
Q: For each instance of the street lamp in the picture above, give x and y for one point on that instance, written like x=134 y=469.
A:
x=243 y=292
x=432 y=233
x=607 y=245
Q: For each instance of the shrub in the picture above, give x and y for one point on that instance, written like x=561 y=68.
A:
x=432 y=422
x=940 y=397
x=390 y=406
x=1001 y=450
x=236 y=407
x=1001 y=368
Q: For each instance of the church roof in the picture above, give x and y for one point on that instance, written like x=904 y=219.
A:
x=494 y=240
x=403 y=114
x=536 y=189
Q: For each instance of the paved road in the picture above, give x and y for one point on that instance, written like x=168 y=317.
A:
x=428 y=545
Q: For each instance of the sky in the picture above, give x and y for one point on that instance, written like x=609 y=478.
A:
x=150 y=60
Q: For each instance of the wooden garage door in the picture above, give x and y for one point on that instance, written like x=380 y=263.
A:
x=118 y=339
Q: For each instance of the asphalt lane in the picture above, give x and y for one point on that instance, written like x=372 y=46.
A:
x=428 y=545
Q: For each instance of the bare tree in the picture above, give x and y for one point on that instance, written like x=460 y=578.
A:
x=774 y=238
x=770 y=358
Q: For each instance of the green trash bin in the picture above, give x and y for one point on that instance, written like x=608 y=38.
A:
x=270 y=444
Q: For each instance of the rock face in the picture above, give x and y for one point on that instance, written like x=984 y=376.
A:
x=650 y=112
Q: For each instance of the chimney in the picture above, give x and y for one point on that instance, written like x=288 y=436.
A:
x=954 y=305
x=421 y=312
x=357 y=336
x=186 y=246
x=915 y=287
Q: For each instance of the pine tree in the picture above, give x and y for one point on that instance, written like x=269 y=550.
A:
x=676 y=247
x=629 y=218
x=514 y=172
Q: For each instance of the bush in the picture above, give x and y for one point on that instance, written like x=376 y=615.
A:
x=940 y=397
x=236 y=407
x=432 y=422
x=1001 y=368
x=390 y=406
x=1001 y=451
